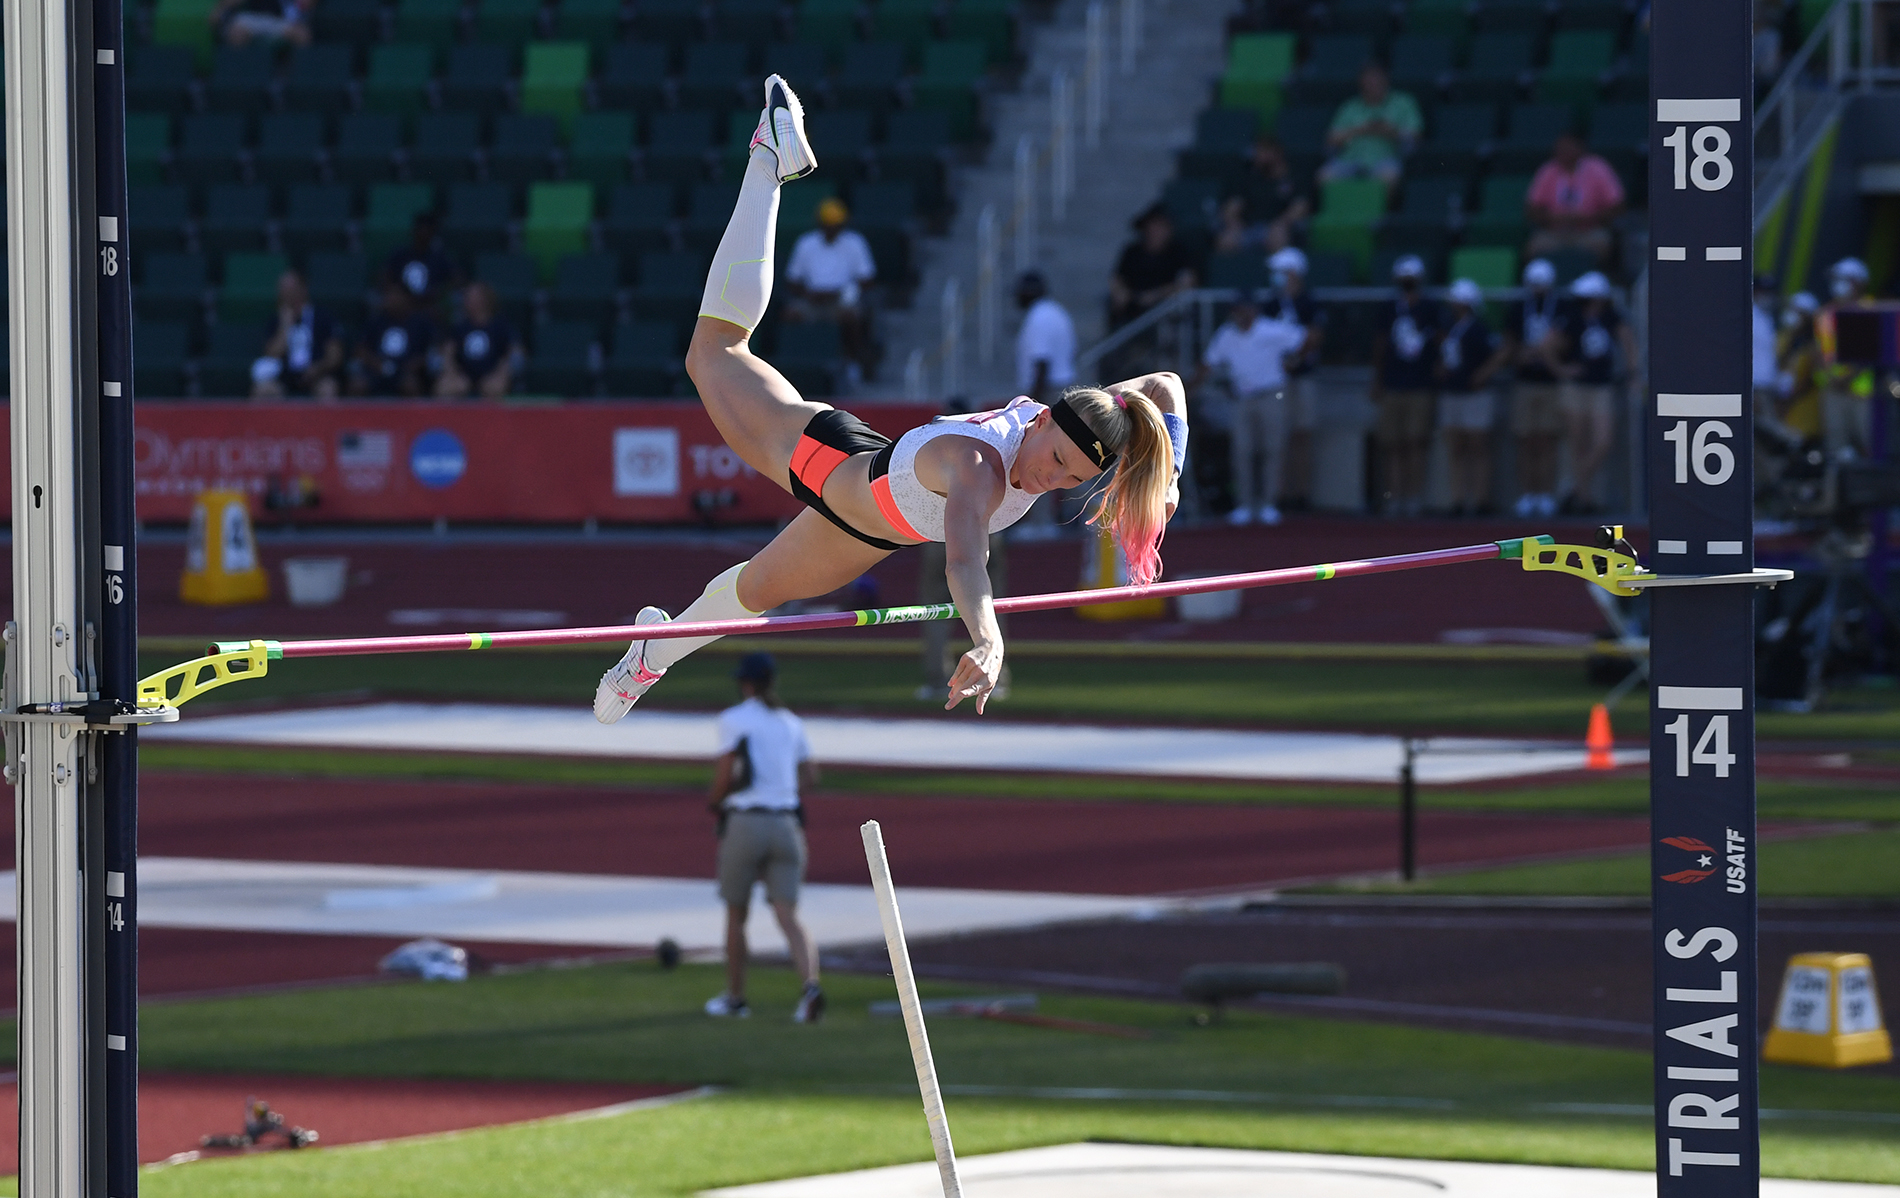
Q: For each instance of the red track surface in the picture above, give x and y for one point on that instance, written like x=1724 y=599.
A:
x=175 y=1109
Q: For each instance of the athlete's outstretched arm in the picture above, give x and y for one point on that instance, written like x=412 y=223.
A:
x=975 y=476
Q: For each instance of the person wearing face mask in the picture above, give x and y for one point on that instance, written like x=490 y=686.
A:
x=1847 y=390
x=1536 y=418
x=1466 y=359
x=1402 y=382
x=1589 y=341
x=1292 y=303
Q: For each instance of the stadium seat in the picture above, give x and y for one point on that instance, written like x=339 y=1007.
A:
x=716 y=75
x=831 y=24
x=591 y=21
x=798 y=208
x=1348 y=209
x=811 y=355
x=209 y=149
x=669 y=283
x=477 y=218
x=249 y=291
x=846 y=136
x=561 y=360
x=507 y=22
x=1430 y=201
x=289 y=148
x=909 y=23
x=1422 y=62
x=158 y=369
x=1619 y=127
x=159 y=79
x=1303 y=130
x=1608 y=16
x=392 y=209
x=476 y=78
x=398 y=77
x=1526 y=17
x=678 y=144
x=523 y=149
x=645 y=361
x=1529 y=132
x=1487 y=266
x=157 y=217
x=513 y=278
x=1244 y=270
x=338 y=284
x=639 y=218
x=1337 y=56
x=1495 y=68
x=991 y=22
x=148 y=146
x=1450 y=18
x=436 y=22
x=558 y=216
x=171 y=288
x=949 y=82
x=914 y=147
x=1394 y=240
x=237 y=217
x=1580 y=54
x=186 y=24
x=1258 y=65
x=444 y=147
x=869 y=75
x=803 y=64
x=1371 y=19
x=886 y=204
x=672 y=21
x=240 y=79
x=890 y=251
x=224 y=372
x=366 y=147
x=633 y=76
x=552 y=78
x=753 y=22
x=1328 y=269
x=318 y=79
x=316 y=218
x=1192 y=203
x=1459 y=134
x=1499 y=220
x=601 y=148
x=708 y=208
x=585 y=288
x=354 y=23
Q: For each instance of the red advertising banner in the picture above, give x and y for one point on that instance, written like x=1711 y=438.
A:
x=649 y=462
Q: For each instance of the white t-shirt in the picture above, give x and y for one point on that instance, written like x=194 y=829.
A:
x=1255 y=359
x=1047 y=335
x=775 y=743
x=841 y=266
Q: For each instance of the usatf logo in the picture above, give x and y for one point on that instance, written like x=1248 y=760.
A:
x=1704 y=859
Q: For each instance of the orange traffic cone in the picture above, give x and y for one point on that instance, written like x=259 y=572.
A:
x=1599 y=740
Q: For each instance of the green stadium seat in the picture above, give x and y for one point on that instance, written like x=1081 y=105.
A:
x=709 y=208
x=671 y=21
x=752 y=22
x=1458 y=136
x=349 y=22
x=1348 y=209
x=159 y=78
x=909 y=23
x=678 y=144
x=886 y=204
x=670 y=284
x=561 y=360
x=158 y=368
x=1337 y=56
x=601 y=148
x=444 y=147
x=798 y=208
x=1529 y=132
x=811 y=356
x=1487 y=266
x=224 y=372
x=249 y=291
x=716 y=75
x=951 y=71
x=1367 y=18
x=645 y=362
x=1258 y=66
x=585 y=288
x=1303 y=130
x=240 y=79
x=208 y=148
x=1607 y=15
x=869 y=75
x=1494 y=70
x=148 y=146
x=558 y=217
x=398 y=78
x=633 y=76
x=435 y=22
x=476 y=78
x=1499 y=220
x=318 y=79
x=1580 y=53
x=184 y=23
x=392 y=209
x=237 y=217
x=507 y=21
x=339 y=284
x=915 y=144
x=513 y=279
x=553 y=77
x=316 y=218
x=171 y=288
x=1430 y=201
x=366 y=147
x=523 y=149
x=831 y=24
x=476 y=221
x=1527 y=17
x=1422 y=62
x=289 y=148
x=846 y=136
x=1451 y=18
x=992 y=22
x=639 y=217
x=802 y=64
x=591 y=21
x=157 y=217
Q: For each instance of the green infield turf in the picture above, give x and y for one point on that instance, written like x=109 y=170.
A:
x=1508 y=696
x=1855 y=865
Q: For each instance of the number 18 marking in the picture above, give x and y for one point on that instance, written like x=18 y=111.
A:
x=1711 y=169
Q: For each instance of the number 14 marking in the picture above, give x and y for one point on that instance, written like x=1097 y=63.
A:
x=1711 y=749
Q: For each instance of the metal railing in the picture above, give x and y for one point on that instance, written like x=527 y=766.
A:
x=1837 y=60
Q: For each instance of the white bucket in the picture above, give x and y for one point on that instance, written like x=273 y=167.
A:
x=315 y=581
x=1208 y=607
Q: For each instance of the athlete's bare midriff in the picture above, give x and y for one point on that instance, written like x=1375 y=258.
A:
x=848 y=493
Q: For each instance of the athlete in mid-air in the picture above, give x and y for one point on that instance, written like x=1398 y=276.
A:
x=955 y=480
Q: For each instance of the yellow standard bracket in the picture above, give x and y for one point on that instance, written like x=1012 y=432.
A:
x=234 y=661
x=1605 y=567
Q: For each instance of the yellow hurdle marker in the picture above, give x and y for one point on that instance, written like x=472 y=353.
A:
x=1829 y=1014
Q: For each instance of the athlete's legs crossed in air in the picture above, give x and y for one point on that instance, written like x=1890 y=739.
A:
x=756 y=410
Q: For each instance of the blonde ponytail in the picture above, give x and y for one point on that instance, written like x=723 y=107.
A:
x=1134 y=504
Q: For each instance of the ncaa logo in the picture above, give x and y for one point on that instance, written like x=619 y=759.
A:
x=437 y=459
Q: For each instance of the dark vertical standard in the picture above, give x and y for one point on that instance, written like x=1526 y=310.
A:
x=1702 y=731
x=117 y=892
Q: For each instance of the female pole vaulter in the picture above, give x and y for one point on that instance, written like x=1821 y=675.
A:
x=955 y=480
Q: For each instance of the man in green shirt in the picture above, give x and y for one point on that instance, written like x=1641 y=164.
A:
x=1373 y=131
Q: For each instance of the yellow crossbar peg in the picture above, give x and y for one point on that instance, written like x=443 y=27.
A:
x=181 y=683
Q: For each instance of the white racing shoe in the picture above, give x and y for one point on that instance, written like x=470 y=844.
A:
x=621 y=687
x=782 y=131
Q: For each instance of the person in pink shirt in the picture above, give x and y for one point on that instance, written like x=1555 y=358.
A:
x=1572 y=201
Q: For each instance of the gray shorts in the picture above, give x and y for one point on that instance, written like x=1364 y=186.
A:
x=766 y=846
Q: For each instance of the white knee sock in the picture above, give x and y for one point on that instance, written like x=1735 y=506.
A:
x=740 y=283
x=719 y=602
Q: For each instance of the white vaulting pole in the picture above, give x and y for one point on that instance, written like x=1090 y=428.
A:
x=913 y=1010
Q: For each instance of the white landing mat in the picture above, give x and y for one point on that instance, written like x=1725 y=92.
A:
x=549 y=908
x=1144 y=1171
x=970 y=742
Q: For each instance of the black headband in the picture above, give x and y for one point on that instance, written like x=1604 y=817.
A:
x=1085 y=438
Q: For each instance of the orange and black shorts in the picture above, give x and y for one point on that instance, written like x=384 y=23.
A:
x=830 y=438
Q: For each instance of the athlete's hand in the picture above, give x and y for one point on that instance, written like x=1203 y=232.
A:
x=976 y=675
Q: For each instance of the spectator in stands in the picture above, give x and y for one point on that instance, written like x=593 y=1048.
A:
x=1252 y=353
x=1373 y=131
x=1572 y=202
x=302 y=353
x=1402 y=382
x=1045 y=364
x=829 y=268
x=421 y=267
x=1263 y=206
x=478 y=357
x=1151 y=268
x=1536 y=416
x=1292 y=303
x=1467 y=358
x=1846 y=396
x=393 y=359
x=1589 y=338
x=241 y=22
